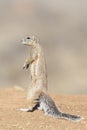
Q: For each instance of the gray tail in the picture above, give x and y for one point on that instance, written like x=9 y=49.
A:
x=71 y=117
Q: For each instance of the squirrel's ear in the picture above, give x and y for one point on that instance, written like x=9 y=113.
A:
x=35 y=38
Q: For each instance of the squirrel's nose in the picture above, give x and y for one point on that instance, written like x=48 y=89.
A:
x=23 y=41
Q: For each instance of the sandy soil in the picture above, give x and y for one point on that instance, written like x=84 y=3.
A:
x=13 y=119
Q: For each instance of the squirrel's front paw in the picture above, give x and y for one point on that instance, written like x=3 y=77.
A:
x=25 y=66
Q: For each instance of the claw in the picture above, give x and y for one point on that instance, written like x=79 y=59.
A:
x=26 y=66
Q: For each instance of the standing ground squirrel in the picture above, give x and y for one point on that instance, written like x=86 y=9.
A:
x=36 y=63
x=37 y=97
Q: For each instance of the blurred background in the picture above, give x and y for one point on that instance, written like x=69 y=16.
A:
x=61 y=27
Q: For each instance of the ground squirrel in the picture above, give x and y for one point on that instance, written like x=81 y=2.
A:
x=38 y=99
x=36 y=63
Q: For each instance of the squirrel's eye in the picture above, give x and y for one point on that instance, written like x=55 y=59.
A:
x=28 y=37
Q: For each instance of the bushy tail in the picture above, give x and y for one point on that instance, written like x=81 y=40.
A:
x=71 y=117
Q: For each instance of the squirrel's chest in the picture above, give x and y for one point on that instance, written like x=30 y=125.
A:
x=36 y=68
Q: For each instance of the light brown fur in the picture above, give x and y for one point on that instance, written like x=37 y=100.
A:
x=36 y=63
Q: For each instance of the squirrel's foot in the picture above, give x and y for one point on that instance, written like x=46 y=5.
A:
x=26 y=109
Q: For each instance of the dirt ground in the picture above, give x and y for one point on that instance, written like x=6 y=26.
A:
x=13 y=119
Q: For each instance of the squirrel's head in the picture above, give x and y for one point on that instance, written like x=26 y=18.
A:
x=30 y=40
